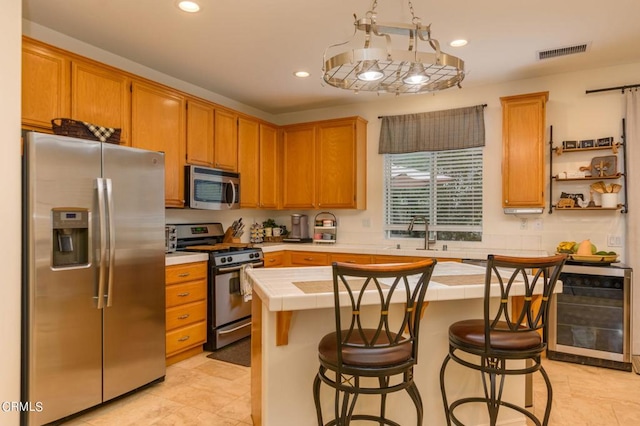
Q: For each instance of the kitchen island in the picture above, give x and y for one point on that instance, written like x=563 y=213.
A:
x=292 y=311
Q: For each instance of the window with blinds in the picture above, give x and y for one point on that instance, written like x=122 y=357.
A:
x=443 y=186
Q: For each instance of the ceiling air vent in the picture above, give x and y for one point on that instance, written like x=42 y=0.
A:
x=562 y=51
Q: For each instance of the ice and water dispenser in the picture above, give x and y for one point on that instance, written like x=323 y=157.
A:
x=70 y=236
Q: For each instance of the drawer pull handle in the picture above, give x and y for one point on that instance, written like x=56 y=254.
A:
x=185 y=294
x=308 y=258
x=185 y=316
x=272 y=260
x=184 y=274
x=183 y=338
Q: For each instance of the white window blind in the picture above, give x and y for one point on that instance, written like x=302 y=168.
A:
x=443 y=186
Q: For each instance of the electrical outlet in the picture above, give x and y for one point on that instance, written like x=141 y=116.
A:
x=366 y=223
x=537 y=225
x=614 y=240
x=524 y=223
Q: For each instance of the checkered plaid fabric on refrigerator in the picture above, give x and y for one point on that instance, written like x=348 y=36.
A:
x=102 y=133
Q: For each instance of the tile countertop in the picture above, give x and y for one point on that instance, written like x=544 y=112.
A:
x=277 y=291
x=457 y=253
x=179 y=258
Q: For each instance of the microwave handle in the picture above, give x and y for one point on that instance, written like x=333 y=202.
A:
x=233 y=196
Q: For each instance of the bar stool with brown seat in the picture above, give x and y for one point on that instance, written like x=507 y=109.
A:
x=373 y=350
x=505 y=335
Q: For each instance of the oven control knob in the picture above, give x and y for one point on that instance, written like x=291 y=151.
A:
x=229 y=259
x=250 y=255
x=223 y=260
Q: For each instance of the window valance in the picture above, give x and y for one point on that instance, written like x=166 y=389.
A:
x=458 y=128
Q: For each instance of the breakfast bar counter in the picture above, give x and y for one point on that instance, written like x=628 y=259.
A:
x=293 y=308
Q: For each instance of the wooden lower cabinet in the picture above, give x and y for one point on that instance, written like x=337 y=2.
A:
x=186 y=315
x=362 y=259
x=383 y=258
x=274 y=259
x=312 y=258
x=308 y=258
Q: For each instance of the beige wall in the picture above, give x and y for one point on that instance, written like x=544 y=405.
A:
x=10 y=31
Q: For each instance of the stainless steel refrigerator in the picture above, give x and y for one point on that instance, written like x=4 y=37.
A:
x=93 y=274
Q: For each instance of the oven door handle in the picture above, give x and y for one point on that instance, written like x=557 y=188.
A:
x=237 y=268
x=235 y=328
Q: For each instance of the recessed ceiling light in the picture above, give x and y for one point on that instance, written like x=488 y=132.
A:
x=189 y=6
x=301 y=74
x=458 y=43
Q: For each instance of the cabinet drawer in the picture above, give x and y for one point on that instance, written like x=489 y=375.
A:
x=309 y=258
x=186 y=272
x=383 y=258
x=182 y=315
x=273 y=259
x=362 y=259
x=186 y=337
x=179 y=294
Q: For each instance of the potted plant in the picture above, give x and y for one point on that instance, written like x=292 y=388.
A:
x=268 y=226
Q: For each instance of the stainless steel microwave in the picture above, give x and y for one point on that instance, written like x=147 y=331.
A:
x=212 y=189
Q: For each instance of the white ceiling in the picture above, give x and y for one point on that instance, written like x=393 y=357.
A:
x=247 y=50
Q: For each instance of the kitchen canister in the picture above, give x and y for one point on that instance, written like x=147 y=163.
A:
x=609 y=200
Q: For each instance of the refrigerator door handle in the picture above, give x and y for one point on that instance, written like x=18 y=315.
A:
x=112 y=240
x=103 y=242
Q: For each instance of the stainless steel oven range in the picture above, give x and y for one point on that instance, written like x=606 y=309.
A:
x=590 y=321
x=228 y=314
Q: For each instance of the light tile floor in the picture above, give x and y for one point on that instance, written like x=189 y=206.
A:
x=196 y=391
x=202 y=391
x=588 y=396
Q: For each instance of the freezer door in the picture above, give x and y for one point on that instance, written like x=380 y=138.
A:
x=134 y=315
x=62 y=339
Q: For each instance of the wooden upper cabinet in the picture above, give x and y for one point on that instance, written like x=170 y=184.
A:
x=269 y=166
x=199 y=133
x=341 y=164
x=101 y=95
x=298 y=167
x=225 y=145
x=249 y=162
x=325 y=164
x=45 y=85
x=257 y=164
x=523 y=133
x=158 y=124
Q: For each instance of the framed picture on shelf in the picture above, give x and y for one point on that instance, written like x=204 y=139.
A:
x=605 y=141
x=569 y=144
x=587 y=143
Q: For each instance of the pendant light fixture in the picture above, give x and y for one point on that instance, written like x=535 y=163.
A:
x=369 y=63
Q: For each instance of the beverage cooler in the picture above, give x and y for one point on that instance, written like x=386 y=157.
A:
x=590 y=321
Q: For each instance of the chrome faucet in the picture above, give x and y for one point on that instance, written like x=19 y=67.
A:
x=426 y=230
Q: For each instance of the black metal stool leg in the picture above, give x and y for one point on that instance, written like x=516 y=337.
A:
x=547 y=411
x=316 y=395
x=383 y=382
x=413 y=392
x=447 y=413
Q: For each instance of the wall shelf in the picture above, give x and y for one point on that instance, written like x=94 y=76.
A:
x=618 y=148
